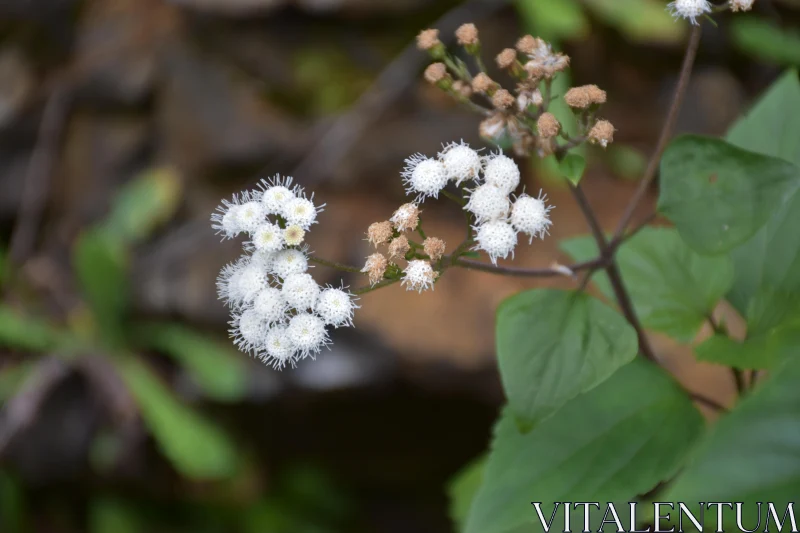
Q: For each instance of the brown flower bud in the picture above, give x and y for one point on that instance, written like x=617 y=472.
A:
x=602 y=133
x=428 y=39
x=399 y=247
x=467 y=34
x=528 y=44
x=436 y=73
x=406 y=217
x=548 y=125
x=483 y=84
x=583 y=97
x=376 y=267
x=502 y=99
x=379 y=232
x=434 y=247
x=507 y=58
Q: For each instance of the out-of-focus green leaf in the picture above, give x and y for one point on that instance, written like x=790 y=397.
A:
x=27 y=333
x=108 y=515
x=625 y=161
x=217 y=368
x=639 y=20
x=760 y=351
x=13 y=376
x=198 y=448
x=765 y=40
x=572 y=167
x=548 y=168
x=144 y=203
x=100 y=261
x=462 y=489
x=553 y=21
x=12 y=505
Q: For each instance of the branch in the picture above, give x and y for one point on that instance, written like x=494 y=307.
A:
x=560 y=270
x=334 y=264
x=666 y=132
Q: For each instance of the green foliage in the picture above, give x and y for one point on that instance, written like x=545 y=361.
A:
x=553 y=21
x=718 y=195
x=463 y=488
x=610 y=444
x=572 y=167
x=766 y=40
x=107 y=515
x=197 y=448
x=218 y=369
x=625 y=161
x=553 y=345
x=751 y=454
x=674 y=289
x=22 y=332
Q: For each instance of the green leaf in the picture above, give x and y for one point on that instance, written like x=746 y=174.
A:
x=572 y=167
x=197 y=448
x=626 y=161
x=553 y=21
x=463 y=488
x=143 y=204
x=217 y=368
x=719 y=195
x=766 y=40
x=639 y=20
x=609 y=445
x=108 y=515
x=101 y=264
x=752 y=453
x=553 y=345
x=673 y=289
x=759 y=352
x=27 y=333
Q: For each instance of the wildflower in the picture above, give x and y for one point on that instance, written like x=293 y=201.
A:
x=399 y=247
x=240 y=282
x=502 y=99
x=418 y=276
x=496 y=238
x=483 y=84
x=741 y=5
x=288 y=262
x=689 y=9
x=249 y=330
x=270 y=305
x=602 y=133
x=488 y=202
x=583 y=97
x=380 y=232
x=424 y=176
x=293 y=235
x=300 y=291
x=548 y=125
x=462 y=89
x=376 y=267
x=307 y=334
x=275 y=192
x=527 y=97
x=493 y=127
x=506 y=58
x=278 y=348
x=467 y=35
x=250 y=215
x=300 y=212
x=428 y=39
x=336 y=307
x=406 y=218
x=461 y=162
x=225 y=219
x=436 y=73
x=268 y=237
x=502 y=172
x=434 y=248
x=543 y=62
x=531 y=216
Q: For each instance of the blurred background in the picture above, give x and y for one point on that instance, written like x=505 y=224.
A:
x=124 y=122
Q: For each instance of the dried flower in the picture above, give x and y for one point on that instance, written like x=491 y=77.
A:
x=741 y=5
x=497 y=238
x=467 y=35
x=584 y=96
x=428 y=39
x=406 y=218
x=506 y=58
x=502 y=99
x=379 y=232
x=689 y=9
x=531 y=216
x=424 y=176
x=419 y=276
x=376 y=267
x=527 y=44
x=548 y=125
x=399 y=247
x=436 y=73
x=461 y=162
x=602 y=133
x=483 y=84
x=501 y=172
x=543 y=62
x=493 y=128
x=434 y=248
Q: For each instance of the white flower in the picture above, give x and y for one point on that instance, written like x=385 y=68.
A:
x=300 y=212
x=240 y=282
x=264 y=259
x=741 y=5
x=225 y=219
x=267 y=237
x=424 y=176
x=496 y=238
x=530 y=215
x=300 y=291
x=270 y=305
x=276 y=192
x=461 y=162
x=689 y=9
x=308 y=334
x=293 y=235
x=502 y=172
x=335 y=307
x=487 y=202
x=250 y=215
x=278 y=349
x=288 y=262
x=419 y=276
x=249 y=331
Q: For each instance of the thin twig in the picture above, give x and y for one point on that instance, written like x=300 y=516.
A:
x=708 y=402
x=666 y=131
x=566 y=270
x=334 y=264
x=380 y=285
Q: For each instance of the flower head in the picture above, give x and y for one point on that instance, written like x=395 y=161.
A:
x=741 y=5
x=300 y=212
x=300 y=291
x=399 y=247
x=424 y=176
x=419 y=276
x=602 y=133
x=250 y=215
x=278 y=348
x=336 y=307
x=240 y=282
x=270 y=305
x=376 y=267
x=488 y=202
x=548 y=125
x=584 y=96
x=249 y=330
x=531 y=216
x=428 y=39
x=406 y=218
x=293 y=235
x=543 y=63
x=225 y=219
x=434 y=247
x=275 y=192
x=496 y=238
x=689 y=9
x=501 y=172
x=267 y=237
x=379 y=232
x=288 y=262
x=307 y=334
x=461 y=162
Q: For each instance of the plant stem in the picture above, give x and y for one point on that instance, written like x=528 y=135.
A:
x=567 y=270
x=453 y=197
x=738 y=375
x=708 y=402
x=334 y=264
x=370 y=288
x=666 y=131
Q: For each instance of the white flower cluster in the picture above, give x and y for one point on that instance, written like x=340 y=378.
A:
x=279 y=313
x=689 y=9
x=495 y=177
